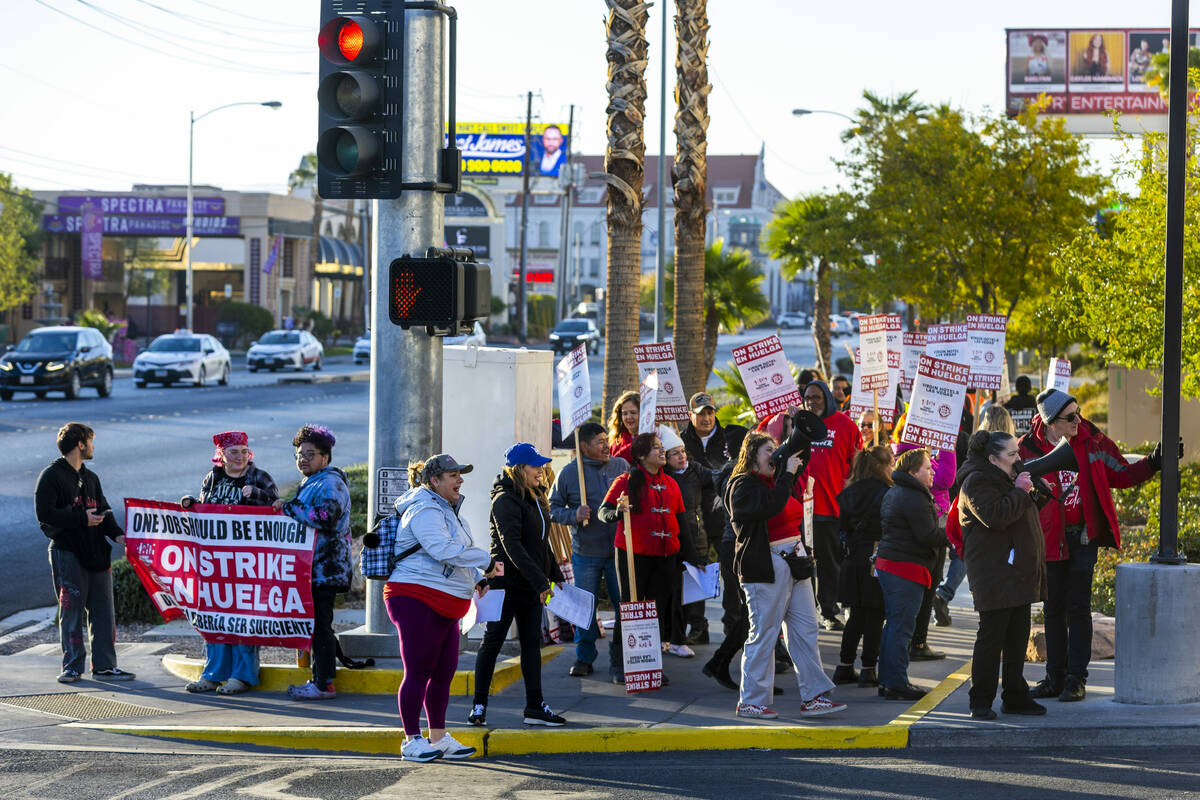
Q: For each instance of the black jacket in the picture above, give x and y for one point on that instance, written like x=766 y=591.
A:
x=751 y=503
x=713 y=458
x=998 y=521
x=859 y=523
x=720 y=481
x=909 y=526
x=696 y=486
x=520 y=538
x=61 y=499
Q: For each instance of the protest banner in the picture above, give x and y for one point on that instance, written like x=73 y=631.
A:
x=1059 y=375
x=872 y=369
x=238 y=574
x=947 y=343
x=985 y=350
x=911 y=347
x=937 y=403
x=660 y=357
x=648 y=403
x=641 y=649
x=862 y=400
x=574 y=401
x=768 y=378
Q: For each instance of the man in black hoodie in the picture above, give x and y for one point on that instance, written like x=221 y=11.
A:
x=76 y=517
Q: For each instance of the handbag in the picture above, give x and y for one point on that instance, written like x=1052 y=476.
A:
x=801 y=566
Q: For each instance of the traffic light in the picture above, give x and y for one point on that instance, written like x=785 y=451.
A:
x=359 y=99
x=440 y=292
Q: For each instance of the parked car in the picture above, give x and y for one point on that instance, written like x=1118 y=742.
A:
x=57 y=359
x=793 y=319
x=838 y=326
x=476 y=337
x=570 y=333
x=182 y=356
x=285 y=350
x=362 y=349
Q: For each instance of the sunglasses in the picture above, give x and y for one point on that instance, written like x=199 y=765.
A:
x=1072 y=417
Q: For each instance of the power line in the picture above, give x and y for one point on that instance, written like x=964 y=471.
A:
x=247 y=16
x=87 y=167
x=259 y=40
x=124 y=40
x=224 y=26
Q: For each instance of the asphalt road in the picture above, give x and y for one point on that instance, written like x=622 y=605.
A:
x=156 y=443
x=1147 y=774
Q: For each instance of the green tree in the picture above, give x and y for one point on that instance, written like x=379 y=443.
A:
x=733 y=297
x=818 y=229
x=1109 y=290
x=1158 y=74
x=20 y=244
x=305 y=174
x=965 y=210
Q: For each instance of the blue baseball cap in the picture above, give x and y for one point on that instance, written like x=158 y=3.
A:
x=524 y=453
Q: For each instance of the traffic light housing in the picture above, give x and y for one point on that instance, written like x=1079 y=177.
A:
x=359 y=137
x=442 y=292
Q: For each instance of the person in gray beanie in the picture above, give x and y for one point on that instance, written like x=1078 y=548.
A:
x=1076 y=523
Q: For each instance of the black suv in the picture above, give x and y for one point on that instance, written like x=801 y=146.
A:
x=570 y=333
x=58 y=359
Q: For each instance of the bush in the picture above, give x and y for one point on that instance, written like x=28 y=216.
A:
x=540 y=317
x=94 y=318
x=132 y=602
x=251 y=320
x=844 y=365
x=320 y=325
x=357 y=475
x=1137 y=512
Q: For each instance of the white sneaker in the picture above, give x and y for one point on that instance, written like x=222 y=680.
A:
x=452 y=748
x=681 y=650
x=420 y=749
x=750 y=711
x=820 y=705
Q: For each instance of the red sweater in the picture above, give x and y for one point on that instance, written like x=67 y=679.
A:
x=621 y=447
x=655 y=527
x=830 y=463
x=788 y=523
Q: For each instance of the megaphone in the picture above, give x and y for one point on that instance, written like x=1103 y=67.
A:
x=807 y=428
x=1062 y=457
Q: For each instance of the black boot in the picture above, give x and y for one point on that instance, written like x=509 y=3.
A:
x=1046 y=688
x=844 y=674
x=867 y=677
x=718 y=670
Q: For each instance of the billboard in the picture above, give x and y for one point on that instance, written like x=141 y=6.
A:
x=1087 y=71
x=498 y=148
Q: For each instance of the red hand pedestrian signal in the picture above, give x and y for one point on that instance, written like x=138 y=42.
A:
x=406 y=293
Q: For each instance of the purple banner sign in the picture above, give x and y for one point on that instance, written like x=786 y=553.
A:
x=92 y=241
x=161 y=206
x=147 y=226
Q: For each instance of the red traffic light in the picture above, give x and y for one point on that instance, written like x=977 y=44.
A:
x=350 y=40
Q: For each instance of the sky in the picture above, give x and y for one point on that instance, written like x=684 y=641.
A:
x=96 y=93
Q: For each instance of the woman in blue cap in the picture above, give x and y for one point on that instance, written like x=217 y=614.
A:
x=520 y=522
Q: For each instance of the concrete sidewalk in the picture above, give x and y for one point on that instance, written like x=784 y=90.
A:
x=693 y=713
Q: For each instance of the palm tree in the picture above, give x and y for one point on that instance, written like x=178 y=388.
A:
x=303 y=175
x=689 y=177
x=733 y=296
x=624 y=167
x=815 y=228
x=1158 y=74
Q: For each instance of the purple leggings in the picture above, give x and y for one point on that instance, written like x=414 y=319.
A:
x=429 y=649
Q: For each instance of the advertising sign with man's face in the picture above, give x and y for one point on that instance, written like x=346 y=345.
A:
x=498 y=148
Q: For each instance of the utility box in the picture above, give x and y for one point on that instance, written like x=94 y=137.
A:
x=493 y=397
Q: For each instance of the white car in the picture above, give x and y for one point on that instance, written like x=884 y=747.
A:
x=285 y=350
x=182 y=356
x=476 y=337
x=362 y=349
x=792 y=319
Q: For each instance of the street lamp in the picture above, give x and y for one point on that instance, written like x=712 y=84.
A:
x=800 y=112
x=192 y=120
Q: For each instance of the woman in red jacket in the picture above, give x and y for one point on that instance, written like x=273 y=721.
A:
x=653 y=499
x=623 y=425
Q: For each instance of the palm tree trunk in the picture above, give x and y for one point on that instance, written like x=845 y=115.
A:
x=689 y=176
x=822 y=307
x=712 y=328
x=624 y=166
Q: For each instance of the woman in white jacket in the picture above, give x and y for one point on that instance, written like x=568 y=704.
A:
x=427 y=594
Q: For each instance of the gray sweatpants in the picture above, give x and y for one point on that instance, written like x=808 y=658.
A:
x=84 y=596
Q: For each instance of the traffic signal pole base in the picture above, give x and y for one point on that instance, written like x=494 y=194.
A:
x=361 y=643
x=1158 y=634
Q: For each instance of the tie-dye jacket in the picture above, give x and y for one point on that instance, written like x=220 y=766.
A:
x=323 y=501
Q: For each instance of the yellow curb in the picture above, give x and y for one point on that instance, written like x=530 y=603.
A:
x=936 y=695
x=336 y=739
x=511 y=742
x=278 y=677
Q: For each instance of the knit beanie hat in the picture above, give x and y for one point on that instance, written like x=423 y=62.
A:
x=1051 y=402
